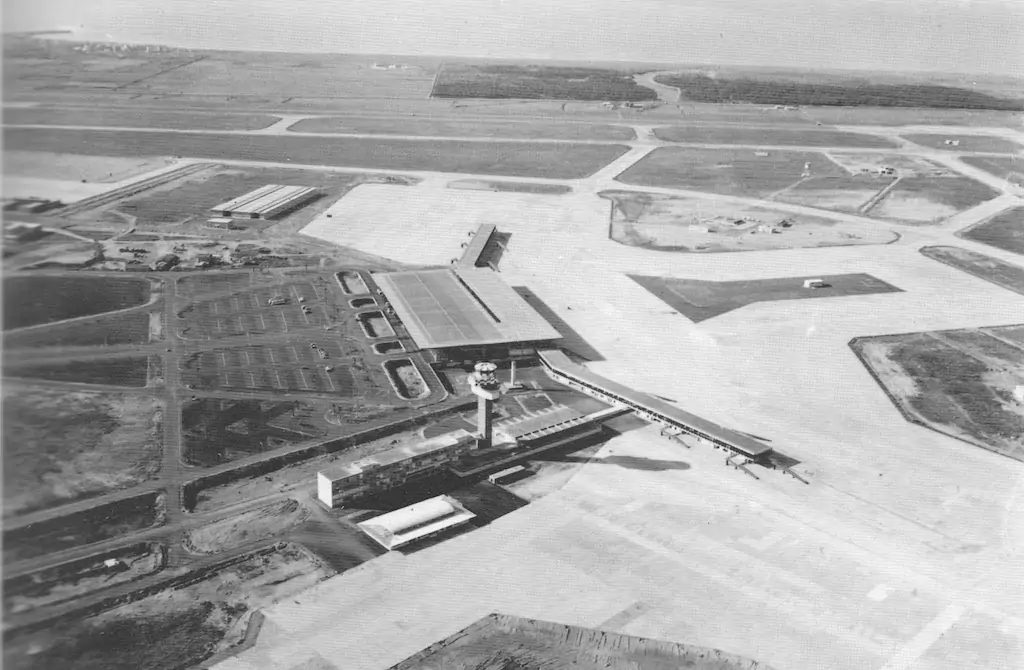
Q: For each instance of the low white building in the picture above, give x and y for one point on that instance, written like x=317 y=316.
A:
x=416 y=522
x=266 y=202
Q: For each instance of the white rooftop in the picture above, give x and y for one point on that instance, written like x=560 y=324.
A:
x=416 y=521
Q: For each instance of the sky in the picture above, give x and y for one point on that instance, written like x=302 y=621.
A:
x=969 y=36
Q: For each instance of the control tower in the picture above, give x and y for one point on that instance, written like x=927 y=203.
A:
x=487 y=388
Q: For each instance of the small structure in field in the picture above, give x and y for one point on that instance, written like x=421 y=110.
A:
x=267 y=202
x=814 y=283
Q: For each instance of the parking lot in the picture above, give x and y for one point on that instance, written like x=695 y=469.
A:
x=290 y=367
x=269 y=310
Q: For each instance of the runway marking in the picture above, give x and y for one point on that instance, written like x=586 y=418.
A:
x=271 y=353
x=227 y=382
x=295 y=354
x=920 y=643
x=220 y=326
x=241 y=326
x=255 y=300
x=263 y=321
x=216 y=311
x=305 y=382
x=252 y=381
x=329 y=380
x=223 y=359
x=280 y=384
x=284 y=319
x=248 y=358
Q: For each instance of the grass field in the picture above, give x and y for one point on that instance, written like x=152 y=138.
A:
x=770 y=91
x=770 y=137
x=981 y=143
x=851 y=193
x=503 y=641
x=125 y=371
x=86 y=527
x=220 y=430
x=554 y=161
x=175 y=628
x=1003 y=231
x=955 y=382
x=465 y=80
x=728 y=171
x=76 y=579
x=62 y=446
x=29 y=301
x=924 y=200
x=133 y=328
x=699 y=300
x=1010 y=168
x=1012 y=333
x=437 y=127
x=653 y=221
x=137 y=118
x=249 y=526
x=990 y=269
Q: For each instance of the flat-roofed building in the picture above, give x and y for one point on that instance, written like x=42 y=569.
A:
x=350 y=480
x=465 y=315
x=416 y=522
x=267 y=202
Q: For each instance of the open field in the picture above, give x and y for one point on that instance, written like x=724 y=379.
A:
x=79 y=578
x=137 y=118
x=770 y=136
x=923 y=200
x=870 y=164
x=1010 y=168
x=1007 y=275
x=249 y=526
x=956 y=382
x=982 y=143
x=728 y=171
x=653 y=221
x=1003 y=231
x=438 y=127
x=190 y=199
x=72 y=167
x=500 y=640
x=699 y=300
x=553 y=161
x=176 y=627
x=842 y=194
x=468 y=80
x=220 y=430
x=29 y=301
x=771 y=91
x=509 y=187
x=1014 y=334
x=126 y=371
x=61 y=446
x=96 y=524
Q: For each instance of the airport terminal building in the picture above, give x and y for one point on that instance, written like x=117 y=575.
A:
x=465 y=314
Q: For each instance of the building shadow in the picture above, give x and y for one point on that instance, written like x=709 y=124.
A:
x=630 y=462
x=571 y=340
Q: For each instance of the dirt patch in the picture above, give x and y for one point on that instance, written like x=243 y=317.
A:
x=352 y=282
x=668 y=223
x=126 y=371
x=375 y=325
x=505 y=641
x=174 y=628
x=76 y=579
x=247 y=527
x=33 y=300
x=61 y=446
x=406 y=378
x=96 y=524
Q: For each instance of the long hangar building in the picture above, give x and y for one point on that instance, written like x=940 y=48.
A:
x=462 y=315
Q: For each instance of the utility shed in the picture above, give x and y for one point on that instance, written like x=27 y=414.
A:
x=267 y=201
